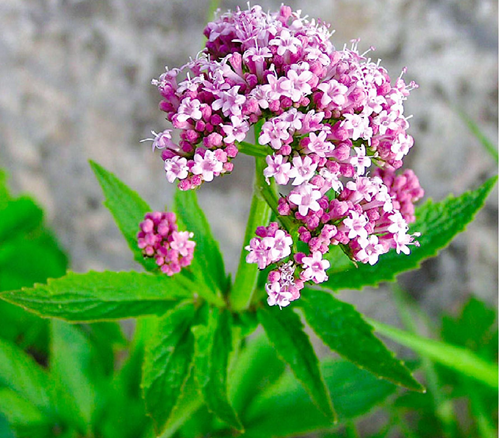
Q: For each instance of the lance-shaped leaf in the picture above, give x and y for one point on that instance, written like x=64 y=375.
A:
x=284 y=410
x=438 y=222
x=23 y=375
x=167 y=363
x=128 y=210
x=96 y=296
x=344 y=330
x=286 y=333
x=208 y=264
x=71 y=368
x=456 y=358
x=213 y=346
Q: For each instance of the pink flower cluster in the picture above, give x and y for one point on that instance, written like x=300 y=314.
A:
x=159 y=239
x=333 y=127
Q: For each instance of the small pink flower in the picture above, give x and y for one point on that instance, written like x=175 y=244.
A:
x=176 y=167
x=315 y=268
x=207 y=166
x=305 y=197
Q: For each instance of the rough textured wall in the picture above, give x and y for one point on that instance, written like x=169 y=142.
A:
x=75 y=84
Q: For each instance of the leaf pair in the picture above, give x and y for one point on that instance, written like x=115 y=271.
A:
x=185 y=337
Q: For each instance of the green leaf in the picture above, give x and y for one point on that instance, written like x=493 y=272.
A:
x=19 y=216
x=254 y=150
x=5 y=430
x=213 y=346
x=23 y=375
x=18 y=410
x=128 y=210
x=71 y=367
x=285 y=332
x=257 y=368
x=456 y=358
x=473 y=329
x=96 y=296
x=284 y=409
x=438 y=222
x=208 y=264
x=24 y=262
x=167 y=363
x=344 y=330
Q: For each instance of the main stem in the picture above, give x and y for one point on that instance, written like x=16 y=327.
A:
x=247 y=274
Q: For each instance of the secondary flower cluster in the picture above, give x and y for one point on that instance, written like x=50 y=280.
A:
x=333 y=127
x=159 y=239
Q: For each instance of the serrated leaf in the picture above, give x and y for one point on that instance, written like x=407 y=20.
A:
x=167 y=363
x=213 y=347
x=128 y=210
x=71 y=367
x=340 y=326
x=208 y=263
x=455 y=358
x=439 y=223
x=23 y=375
x=285 y=332
x=96 y=296
x=283 y=409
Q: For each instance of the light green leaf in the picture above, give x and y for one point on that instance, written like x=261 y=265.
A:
x=25 y=420
x=344 y=330
x=128 y=210
x=167 y=363
x=285 y=332
x=71 y=367
x=19 y=216
x=439 y=223
x=455 y=358
x=208 y=264
x=96 y=296
x=213 y=346
x=284 y=410
x=23 y=375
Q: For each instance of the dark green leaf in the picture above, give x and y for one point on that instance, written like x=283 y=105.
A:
x=71 y=367
x=257 y=368
x=5 y=430
x=473 y=329
x=439 y=223
x=285 y=332
x=208 y=264
x=344 y=330
x=213 y=346
x=284 y=410
x=97 y=296
x=23 y=375
x=167 y=363
x=128 y=210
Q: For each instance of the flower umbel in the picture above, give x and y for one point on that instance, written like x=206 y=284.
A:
x=159 y=239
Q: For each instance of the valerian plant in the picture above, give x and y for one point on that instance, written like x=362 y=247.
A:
x=331 y=134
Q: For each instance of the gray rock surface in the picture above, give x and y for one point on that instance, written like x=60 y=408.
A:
x=75 y=84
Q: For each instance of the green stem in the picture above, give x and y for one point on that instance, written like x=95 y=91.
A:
x=247 y=274
x=443 y=407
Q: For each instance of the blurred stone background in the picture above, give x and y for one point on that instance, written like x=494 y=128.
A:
x=75 y=84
